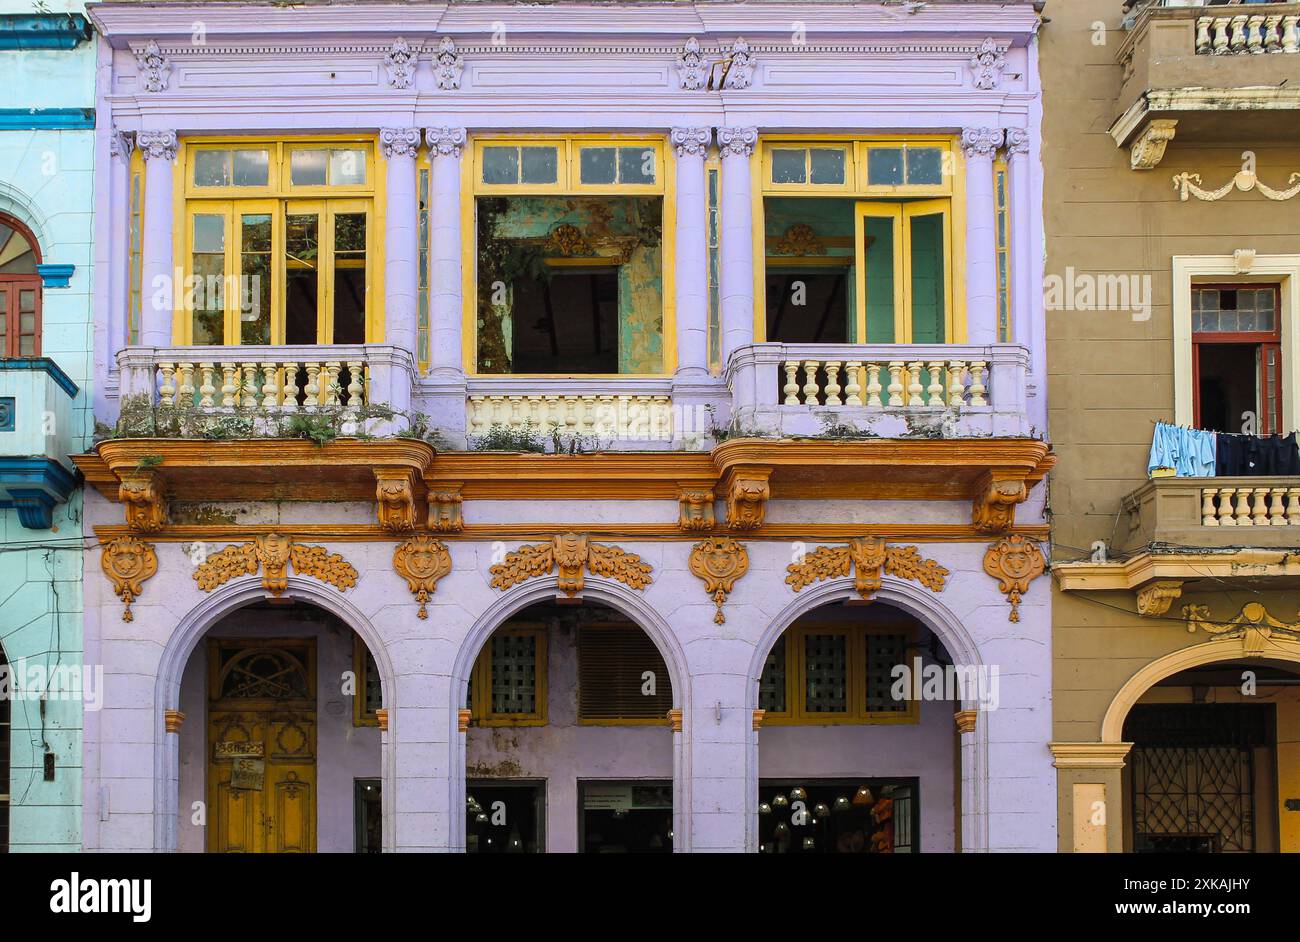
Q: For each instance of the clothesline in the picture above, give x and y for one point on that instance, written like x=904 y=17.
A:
x=1180 y=451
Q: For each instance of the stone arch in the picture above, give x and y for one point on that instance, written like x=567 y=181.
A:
x=1222 y=649
x=16 y=203
x=177 y=652
x=617 y=596
x=926 y=607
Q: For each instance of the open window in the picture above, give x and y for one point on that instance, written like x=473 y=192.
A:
x=569 y=257
x=858 y=242
x=20 y=291
x=279 y=243
x=1237 y=357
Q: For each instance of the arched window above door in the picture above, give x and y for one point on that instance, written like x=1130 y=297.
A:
x=20 y=290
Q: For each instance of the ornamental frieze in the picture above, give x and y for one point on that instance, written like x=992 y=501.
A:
x=868 y=559
x=570 y=553
x=272 y=554
x=1253 y=625
x=128 y=563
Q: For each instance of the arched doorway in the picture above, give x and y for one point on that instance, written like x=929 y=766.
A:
x=1215 y=759
x=20 y=290
x=569 y=744
x=279 y=746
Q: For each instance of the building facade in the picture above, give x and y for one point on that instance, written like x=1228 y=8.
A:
x=1173 y=288
x=47 y=59
x=569 y=428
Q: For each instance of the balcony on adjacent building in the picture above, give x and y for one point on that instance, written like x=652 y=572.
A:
x=36 y=437
x=1208 y=73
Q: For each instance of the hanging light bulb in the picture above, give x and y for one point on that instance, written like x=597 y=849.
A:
x=798 y=794
x=781 y=829
x=780 y=801
x=764 y=808
x=863 y=796
x=809 y=843
x=843 y=804
x=482 y=819
x=821 y=809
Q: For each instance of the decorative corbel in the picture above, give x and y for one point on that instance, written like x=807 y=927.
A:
x=445 y=509
x=381 y=717
x=675 y=720
x=1153 y=600
x=747 y=497
x=1014 y=562
x=757 y=721
x=422 y=561
x=1148 y=148
x=128 y=563
x=395 y=498
x=172 y=720
x=696 y=509
x=719 y=561
x=994 y=508
x=462 y=720
x=965 y=720
x=143 y=496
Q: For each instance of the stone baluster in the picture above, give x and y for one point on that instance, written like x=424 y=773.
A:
x=312 y=390
x=956 y=383
x=1273 y=33
x=1243 y=506
x=935 y=389
x=873 y=386
x=270 y=387
x=1291 y=34
x=978 y=370
x=356 y=384
x=1255 y=34
x=1260 y=509
x=229 y=385
x=895 y=382
x=330 y=382
x=791 y=388
x=185 y=389
x=206 y=390
x=833 y=383
x=167 y=386
x=289 y=393
x=587 y=416
x=853 y=384
x=1208 y=518
x=1226 y=519
x=664 y=409
x=1277 y=506
x=249 y=400
x=1293 y=506
x=1221 y=35
x=1238 y=41
x=914 y=386
x=810 y=384
x=1203 y=34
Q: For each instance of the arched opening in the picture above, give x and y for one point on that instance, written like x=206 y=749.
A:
x=280 y=750
x=1215 y=761
x=569 y=745
x=20 y=290
x=858 y=749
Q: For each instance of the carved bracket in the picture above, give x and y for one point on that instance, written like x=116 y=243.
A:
x=719 y=561
x=395 y=497
x=966 y=720
x=696 y=509
x=422 y=561
x=747 y=497
x=570 y=553
x=994 y=507
x=1154 y=600
x=1253 y=625
x=445 y=509
x=1148 y=148
x=272 y=554
x=1014 y=562
x=146 y=504
x=868 y=558
x=128 y=563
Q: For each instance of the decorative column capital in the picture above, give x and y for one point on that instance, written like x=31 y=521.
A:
x=1017 y=142
x=445 y=142
x=153 y=66
x=1089 y=755
x=462 y=720
x=737 y=142
x=965 y=720
x=399 y=142
x=121 y=143
x=172 y=720
x=400 y=62
x=448 y=65
x=690 y=142
x=155 y=145
x=381 y=717
x=981 y=142
x=675 y=720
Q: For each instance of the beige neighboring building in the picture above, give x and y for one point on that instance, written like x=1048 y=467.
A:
x=1172 y=168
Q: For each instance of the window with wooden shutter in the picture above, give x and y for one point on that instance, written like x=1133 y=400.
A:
x=508 y=685
x=622 y=677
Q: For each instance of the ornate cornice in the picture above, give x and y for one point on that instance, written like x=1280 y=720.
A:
x=570 y=554
x=156 y=145
x=448 y=65
x=400 y=62
x=719 y=561
x=737 y=142
x=272 y=553
x=693 y=142
x=153 y=66
x=981 y=142
x=399 y=142
x=1014 y=562
x=445 y=142
x=868 y=559
x=128 y=563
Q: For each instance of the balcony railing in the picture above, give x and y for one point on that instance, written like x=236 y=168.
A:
x=892 y=390
x=1213 y=512
x=616 y=408
x=1248 y=34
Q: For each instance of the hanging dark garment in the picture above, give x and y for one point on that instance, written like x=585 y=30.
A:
x=1252 y=455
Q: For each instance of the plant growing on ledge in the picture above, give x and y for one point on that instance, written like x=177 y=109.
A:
x=507 y=438
x=311 y=425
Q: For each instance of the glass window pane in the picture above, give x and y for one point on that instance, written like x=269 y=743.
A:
x=636 y=165
x=514 y=674
x=348 y=167
x=206 y=292
x=788 y=166
x=597 y=165
x=885 y=166
x=350 y=278
x=771 y=686
x=212 y=168
x=250 y=168
x=878 y=236
x=925 y=165
x=301 y=259
x=501 y=165
x=826 y=673
x=884 y=653
x=255 y=279
x=827 y=165
x=307 y=167
x=538 y=164
x=929 y=315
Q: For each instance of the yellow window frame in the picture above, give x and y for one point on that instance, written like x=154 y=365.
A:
x=273 y=159
x=808 y=188
x=361 y=674
x=567 y=172
x=902 y=214
x=952 y=192
x=1002 y=239
x=481 y=701
x=135 y=287
x=796 y=678
x=331 y=190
